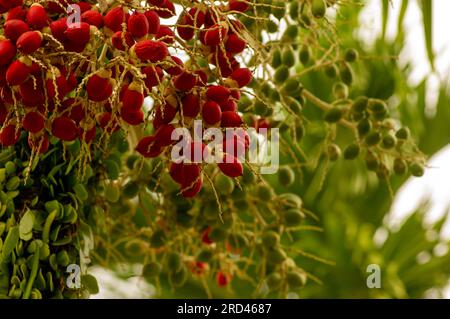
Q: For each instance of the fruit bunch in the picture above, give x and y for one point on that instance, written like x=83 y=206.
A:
x=55 y=82
x=98 y=101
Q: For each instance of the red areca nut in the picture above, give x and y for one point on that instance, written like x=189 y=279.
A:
x=18 y=13
x=114 y=18
x=229 y=106
x=18 y=71
x=153 y=75
x=185 y=26
x=242 y=76
x=185 y=81
x=216 y=34
x=164 y=135
x=234 y=44
x=238 y=5
x=149 y=50
x=211 y=112
x=62 y=86
x=176 y=68
x=153 y=21
x=218 y=93
x=64 y=128
x=166 y=10
x=231 y=119
x=138 y=25
x=78 y=33
x=132 y=116
x=133 y=97
x=231 y=166
x=119 y=40
x=37 y=17
x=190 y=105
x=33 y=122
x=93 y=17
x=223 y=279
x=29 y=42
x=58 y=29
x=165 y=34
x=7 y=52
x=147 y=147
x=99 y=86
x=15 y=28
x=9 y=135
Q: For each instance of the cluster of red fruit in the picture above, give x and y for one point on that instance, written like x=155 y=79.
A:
x=44 y=95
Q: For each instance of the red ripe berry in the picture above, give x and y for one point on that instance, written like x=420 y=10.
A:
x=3 y=112
x=154 y=75
x=242 y=76
x=99 y=87
x=230 y=119
x=118 y=41
x=202 y=78
x=84 y=6
x=29 y=42
x=229 y=106
x=205 y=236
x=211 y=112
x=149 y=50
x=222 y=279
x=114 y=18
x=185 y=26
x=39 y=143
x=9 y=135
x=87 y=134
x=62 y=87
x=235 y=44
x=32 y=94
x=236 y=94
x=133 y=98
x=57 y=6
x=7 y=52
x=231 y=166
x=156 y=3
x=131 y=116
x=33 y=122
x=197 y=15
x=92 y=17
x=218 y=93
x=14 y=29
x=17 y=73
x=164 y=135
x=64 y=128
x=18 y=13
x=177 y=68
x=59 y=28
x=78 y=33
x=198 y=268
x=190 y=190
x=165 y=113
x=165 y=34
x=37 y=16
x=176 y=172
x=107 y=123
x=185 y=81
x=138 y=25
x=261 y=124
x=234 y=146
x=226 y=63
x=147 y=147
x=153 y=21
x=196 y=152
x=167 y=9
x=190 y=105
x=238 y=5
x=215 y=35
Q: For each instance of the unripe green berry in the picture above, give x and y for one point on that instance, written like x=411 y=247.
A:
x=270 y=239
x=346 y=73
x=276 y=256
x=131 y=189
x=281 y=74
x=173 y=262
x=373 y=138
x=305 y=54
x=333 y=152
x=400 y=167
x=318 y=8
x=224 y=184
x=274 y=281
x=333 y=115
x=291 y=32
x=286 y=176
x=351 y=55
x=331 y=71
x=151 y=270
x=364 y=126
x=293 y=217
x=265 y=192
x=351 y=152
x=389 y=141
x=403 y=133
x=416 y=169
x=288 y=57
x=340 y=90
x=276 y=59
x=295 y=279
x=360 y=104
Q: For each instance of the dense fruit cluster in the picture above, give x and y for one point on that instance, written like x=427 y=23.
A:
x=54 y=82
x=76 y=92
